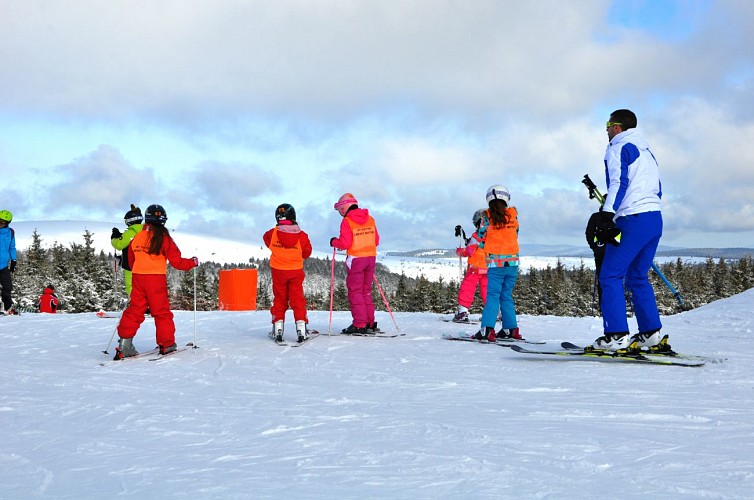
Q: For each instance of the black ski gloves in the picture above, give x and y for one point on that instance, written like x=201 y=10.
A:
x=116 y=234
x=606 y=230
x=13 y=266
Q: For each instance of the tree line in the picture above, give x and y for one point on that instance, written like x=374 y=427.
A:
x=86 y=280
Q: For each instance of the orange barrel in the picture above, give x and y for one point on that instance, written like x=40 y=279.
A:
x=238 y=290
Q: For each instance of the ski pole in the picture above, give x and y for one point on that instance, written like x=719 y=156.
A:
x=332 y=289
x=384 y=299
x=195 y=346
x=111 y=339
x=460 y=259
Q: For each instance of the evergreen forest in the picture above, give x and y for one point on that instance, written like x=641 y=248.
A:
x=86 y=280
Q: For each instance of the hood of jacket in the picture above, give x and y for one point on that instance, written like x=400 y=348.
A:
x=358 y=215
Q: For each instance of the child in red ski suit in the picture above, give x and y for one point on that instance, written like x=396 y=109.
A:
x=359 y=238
x=148 y=254
x=48 y=302
x=476 y=271
x=290 y=246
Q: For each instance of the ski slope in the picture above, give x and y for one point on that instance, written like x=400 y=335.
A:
x=414 y=417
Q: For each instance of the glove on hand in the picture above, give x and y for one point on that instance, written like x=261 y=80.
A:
x=332 y=240
x=461 y=252
x=607 y=231
x=196 y=261
x=116 y=234
x=13 y=266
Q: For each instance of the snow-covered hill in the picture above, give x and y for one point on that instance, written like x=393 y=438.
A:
x=413 y=417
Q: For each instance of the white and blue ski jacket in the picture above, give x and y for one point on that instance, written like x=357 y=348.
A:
x=632 y=174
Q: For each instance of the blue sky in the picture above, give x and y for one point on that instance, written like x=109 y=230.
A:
x=221 y=110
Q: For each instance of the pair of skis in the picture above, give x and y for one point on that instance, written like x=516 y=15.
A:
x=670 y=358
x=314 y=334
x=505 y=342
x=152 y=354
x=311 y=335
x=568 y=349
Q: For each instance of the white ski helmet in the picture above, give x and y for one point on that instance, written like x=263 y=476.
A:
x=498 y=192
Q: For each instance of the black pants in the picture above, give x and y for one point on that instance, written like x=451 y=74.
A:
x=6 y=283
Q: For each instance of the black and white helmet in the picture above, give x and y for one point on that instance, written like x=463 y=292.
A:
x=285 y=212
x=498 y=192
x=156 y=215
x=477 y=217
x=133 y=216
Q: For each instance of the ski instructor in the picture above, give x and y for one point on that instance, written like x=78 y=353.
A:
x=629 y=224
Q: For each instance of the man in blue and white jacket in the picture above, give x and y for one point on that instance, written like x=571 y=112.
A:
x=630 y=224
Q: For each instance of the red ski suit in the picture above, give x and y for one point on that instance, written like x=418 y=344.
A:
x=150 y=287
x=290 y=246
x=48 y=302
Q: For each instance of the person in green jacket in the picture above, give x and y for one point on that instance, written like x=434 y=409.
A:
x=120 y=241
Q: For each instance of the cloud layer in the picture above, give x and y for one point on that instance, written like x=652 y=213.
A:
x=222 y=110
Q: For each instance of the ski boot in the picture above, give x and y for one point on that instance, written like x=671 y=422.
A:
x=169 y=349
x=461 y=317
x=125 y=349
x=352 y=329
x=372 y=328
x=486 y=333
x=612 y=342
x=277 y=331
x=509 y=333
x=303 y=335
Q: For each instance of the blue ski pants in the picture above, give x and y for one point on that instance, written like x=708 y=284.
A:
x=630 y=263
x=500 y=283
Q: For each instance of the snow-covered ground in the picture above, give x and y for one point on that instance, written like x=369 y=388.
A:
x=412 y=417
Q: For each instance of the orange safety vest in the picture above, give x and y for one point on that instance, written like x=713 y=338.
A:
x=285 y=258
x=145 y=262
x=364 y=242
x=478 y=259
x=503 y=240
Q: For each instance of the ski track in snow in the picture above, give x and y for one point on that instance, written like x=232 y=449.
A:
x=351 y=417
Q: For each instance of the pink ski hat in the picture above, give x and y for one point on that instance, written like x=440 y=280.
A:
x=345 y=201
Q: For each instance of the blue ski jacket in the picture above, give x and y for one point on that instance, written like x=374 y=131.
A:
x=7 y=247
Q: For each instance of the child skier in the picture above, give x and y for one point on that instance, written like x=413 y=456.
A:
x=500 y=242
x=476 y=271
x=290 y=247
x=148 y=255
x=7 y=261
x=48 y=302
x=359 y=238
x=120 y=241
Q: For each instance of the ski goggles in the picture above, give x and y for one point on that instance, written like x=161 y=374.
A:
x=610 y=124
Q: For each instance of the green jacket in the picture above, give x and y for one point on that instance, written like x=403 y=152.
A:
x=123 y=242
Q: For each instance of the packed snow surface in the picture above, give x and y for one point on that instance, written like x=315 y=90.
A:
x=411 y=417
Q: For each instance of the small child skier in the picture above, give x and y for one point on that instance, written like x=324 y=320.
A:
x=48 y=301
x=476 y=270
x=120 y=241
x=290 y=246
x=148 y=254
x=500 y=236
x=359 y=238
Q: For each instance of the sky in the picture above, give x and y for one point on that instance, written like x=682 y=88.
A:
x=410 y=417
x=221 y=110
